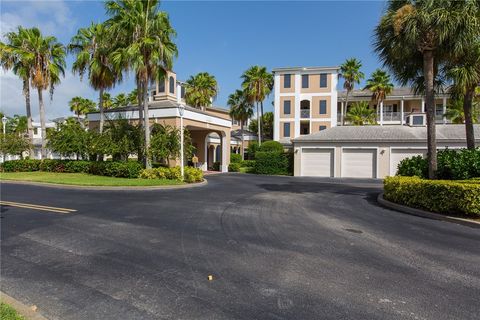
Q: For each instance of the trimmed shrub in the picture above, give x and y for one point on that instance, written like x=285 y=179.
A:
x=452 y=165
x=26 y=165
x=116 y=169
x=216 y=166
x=70 y=166
x=441 y=196
x=192 y=175
x=247 y=163
x=234 y=167
x=234 y=158
x=276 y=163
x=252 y=150
x=271 y=146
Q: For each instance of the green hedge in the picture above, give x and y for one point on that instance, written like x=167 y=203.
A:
x=190 y=174
x=247 y=164
x=235 y=158
x=441 y=196
x=271 y=146
x=277 y=163
x=234 y=167
x=130 y=169
x=452 y=165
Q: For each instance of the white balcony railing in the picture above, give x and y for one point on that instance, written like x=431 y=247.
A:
x=305 y=113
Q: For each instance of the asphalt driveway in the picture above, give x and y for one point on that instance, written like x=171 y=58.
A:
x=277 y=248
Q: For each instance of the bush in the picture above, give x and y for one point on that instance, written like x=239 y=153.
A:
x=70 y=166
x=193 y=175
x=216 y=166
x=235 y=158
x=234 y=167
x=190 y=174
x=271 y=146
x=116 y=169
x=442 y=196
x=452 y=165
x=272 y=163
x=252 y=150
x=247 y=163
x=21 y=165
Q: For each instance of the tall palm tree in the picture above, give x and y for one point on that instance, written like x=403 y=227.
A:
x=47 y=65
x=257 y=84
x=14 y=57
x=107 y=101
x=464 y=70
x=360 y=114
x=456 y=112
x=201 y=89
x=92 y=47
x=147 y=46
x=351 y=74
x=380 y=85
x=241 y=110
x=414 y=37
x=121 y=100
x=81 y=106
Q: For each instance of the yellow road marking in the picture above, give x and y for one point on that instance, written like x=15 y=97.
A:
x=36 y=207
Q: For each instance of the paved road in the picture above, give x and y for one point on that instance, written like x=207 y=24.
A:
x=277 y=247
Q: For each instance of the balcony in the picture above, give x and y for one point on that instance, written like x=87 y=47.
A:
x=305 y=113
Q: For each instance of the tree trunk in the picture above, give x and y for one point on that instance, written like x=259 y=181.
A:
x=100 y=107
x=146 y=124
x=41 y=107
x=140 y=104
x=258 y=127
x=241 y=148
x=261 y=117
x=26 y=92
x=430 y=106
x=467 y=110
x=344 y=109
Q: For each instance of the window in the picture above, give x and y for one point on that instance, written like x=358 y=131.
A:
x=439 y=109
x=161 y=86
x=323 y=80
x=287 y=81
x=323 y=106
x=286 y=107
x=322 y=128
x=286 y=130
x=182 y=92
x=304 y=80
x=171 y=85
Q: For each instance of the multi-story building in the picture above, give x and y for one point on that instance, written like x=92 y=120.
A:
x=305 y=101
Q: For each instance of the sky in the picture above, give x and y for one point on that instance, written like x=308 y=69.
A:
x=223 y=38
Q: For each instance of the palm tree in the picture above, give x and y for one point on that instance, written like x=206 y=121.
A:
x=81 y=106
x=360 y=114
x=133 y=97
x=201 y=89
x=380 y=86
x=351 y=74
x=456 y=112
x=47 y=65
x=414 y=37
x=147 y=48
x=92 y=47
x=107 y=101
x=257 y=84
x=464 y=70
x=14 y=57
x=121 y=100
x=240 y=110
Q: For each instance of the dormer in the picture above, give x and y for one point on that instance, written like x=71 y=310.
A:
x=166 y=88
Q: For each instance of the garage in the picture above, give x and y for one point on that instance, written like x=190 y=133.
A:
x=317 y=162
x=397 y=155
x=359 y=163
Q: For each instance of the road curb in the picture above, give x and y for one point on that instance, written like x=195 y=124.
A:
x=425 y=214
x=21 y=308
x=106 y=188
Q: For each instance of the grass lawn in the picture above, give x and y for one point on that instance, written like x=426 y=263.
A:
x=83 y=179
x=8 y=313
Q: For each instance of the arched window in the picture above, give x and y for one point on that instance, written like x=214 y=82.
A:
x=171 y=84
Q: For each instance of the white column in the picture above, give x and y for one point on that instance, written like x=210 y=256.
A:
x=402 y=118
x=181 y=147
x=341 y=113
x=423 y=105
x=295 y=131
x=381 y=113
x=224 y=153
x=444 y=109
x=276 y=109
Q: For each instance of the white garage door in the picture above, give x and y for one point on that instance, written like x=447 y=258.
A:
x=398 y=155
x=317 y=162
x=359 y=163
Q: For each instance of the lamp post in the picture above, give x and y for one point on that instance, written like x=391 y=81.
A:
x=4 y=127
x=181 y=110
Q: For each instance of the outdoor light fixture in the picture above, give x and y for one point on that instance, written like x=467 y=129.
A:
x=181 y=111
x=4 y=122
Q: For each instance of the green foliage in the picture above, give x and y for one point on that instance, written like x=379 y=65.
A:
x=216 y=166
x=234 y=167
x=360 y=114
x=452 y=165
x=247 y=164
x=276 y=163
x=442 y=196
x=26 y=165
x=69 y=139
x=13 y=144
x=130 y=169
x=8 y=313
x=53 y=165
x=271 y=146
x=123 y=138
x=267 y=125
x=201 y=89
x=380 y=85
x=165 y=143
x=252 y=149
x=190 y=174
x=193 y=175
x=234 y=158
